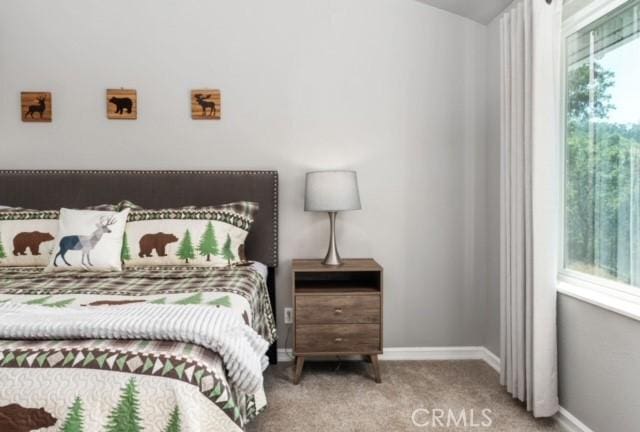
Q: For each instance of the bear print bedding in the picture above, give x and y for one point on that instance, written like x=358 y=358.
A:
x=26 y=237
x=116 y=384
x=204 y=237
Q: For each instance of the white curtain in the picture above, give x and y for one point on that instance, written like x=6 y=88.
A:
x=530 y=151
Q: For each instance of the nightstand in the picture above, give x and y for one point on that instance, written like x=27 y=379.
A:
x=337 y=311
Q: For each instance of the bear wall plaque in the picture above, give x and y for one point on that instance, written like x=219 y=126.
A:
x=122 y=104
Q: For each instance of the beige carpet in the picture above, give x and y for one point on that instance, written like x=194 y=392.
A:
x=337 y=397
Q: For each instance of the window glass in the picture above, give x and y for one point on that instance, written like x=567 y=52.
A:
x=602 y=147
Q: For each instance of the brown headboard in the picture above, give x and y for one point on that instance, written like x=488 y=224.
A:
x=158 y=189
x=153 y=189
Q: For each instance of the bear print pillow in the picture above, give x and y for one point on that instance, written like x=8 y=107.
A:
x=89 y=239
x=26 y=237
x=189 y=236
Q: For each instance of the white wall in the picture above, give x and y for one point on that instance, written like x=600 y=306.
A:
x=391 y=88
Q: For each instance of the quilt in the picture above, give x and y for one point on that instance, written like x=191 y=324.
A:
x=121 y=384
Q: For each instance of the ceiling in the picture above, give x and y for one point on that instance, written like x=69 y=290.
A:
x=482 y=11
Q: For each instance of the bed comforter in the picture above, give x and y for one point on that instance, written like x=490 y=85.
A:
x=117 y=383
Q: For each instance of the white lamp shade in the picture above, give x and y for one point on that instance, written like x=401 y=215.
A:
x=331 y=191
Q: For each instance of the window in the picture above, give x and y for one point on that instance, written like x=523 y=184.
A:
x=602 y=147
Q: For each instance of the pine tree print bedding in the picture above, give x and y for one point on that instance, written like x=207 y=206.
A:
x=127 y=385
x=204 y=236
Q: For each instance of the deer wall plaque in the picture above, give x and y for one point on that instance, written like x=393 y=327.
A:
x=36 y=106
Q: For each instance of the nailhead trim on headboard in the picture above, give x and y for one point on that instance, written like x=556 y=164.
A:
x=195 y=172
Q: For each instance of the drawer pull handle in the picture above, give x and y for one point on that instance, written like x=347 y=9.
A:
x=338 y=339
x=338 y=311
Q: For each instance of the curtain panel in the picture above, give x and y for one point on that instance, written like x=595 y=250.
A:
x=529 y=201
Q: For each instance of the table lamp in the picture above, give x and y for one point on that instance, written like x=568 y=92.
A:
x=332 y=191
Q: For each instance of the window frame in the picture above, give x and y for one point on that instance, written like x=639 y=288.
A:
x=609 y=294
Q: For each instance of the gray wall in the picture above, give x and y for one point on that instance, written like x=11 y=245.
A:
x=599 y=366
x=492 y=205
x=394 y=89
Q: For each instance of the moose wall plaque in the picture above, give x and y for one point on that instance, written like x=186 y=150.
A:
x=36 y=106
x=122 y=104
x=205 y=105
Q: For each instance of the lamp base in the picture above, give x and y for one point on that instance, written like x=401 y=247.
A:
x=332 y=258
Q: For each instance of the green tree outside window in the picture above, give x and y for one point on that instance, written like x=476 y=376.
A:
x=601 y=187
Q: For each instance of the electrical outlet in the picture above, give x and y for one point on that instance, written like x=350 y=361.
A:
x=288 y=315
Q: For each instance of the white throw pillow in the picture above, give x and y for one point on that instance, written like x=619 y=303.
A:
x=89 y=240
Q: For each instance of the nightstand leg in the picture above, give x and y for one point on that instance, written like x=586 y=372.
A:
x=298 y=371
x=376 y=367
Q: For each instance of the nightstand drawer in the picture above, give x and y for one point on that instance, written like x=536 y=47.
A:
x=336 y=338
x=338 y=309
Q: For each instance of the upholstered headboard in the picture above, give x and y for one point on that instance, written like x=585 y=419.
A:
x=158 y=189
x=153 y=189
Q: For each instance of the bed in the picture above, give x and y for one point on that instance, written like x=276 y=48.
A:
x=164 y=376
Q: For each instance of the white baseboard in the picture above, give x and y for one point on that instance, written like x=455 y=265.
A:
x=424 y=353
x=569 y=423
x=491 y=359
x=433 y=353
x=565 y=419
x=284 y=355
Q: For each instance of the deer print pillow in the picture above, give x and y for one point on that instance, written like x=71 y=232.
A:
x=207 y=236
x=89 y=240
x=26 y=237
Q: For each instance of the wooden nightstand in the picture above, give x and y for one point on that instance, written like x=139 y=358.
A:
x=337 y=311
